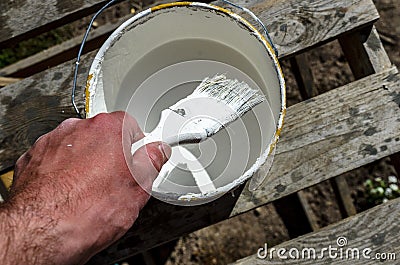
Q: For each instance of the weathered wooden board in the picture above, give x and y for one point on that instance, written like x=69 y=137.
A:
x=305 y=81
x=333 y=133
x=34 y=106
x=364 y=52
x=8 y=80
x=61 y=53
x=323 y=137
x=377 y=229
x=289 y=20
x=54 y=84
x=299 y=23
x=26 y=18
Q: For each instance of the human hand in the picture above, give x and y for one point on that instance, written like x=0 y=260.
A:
x=75 y=191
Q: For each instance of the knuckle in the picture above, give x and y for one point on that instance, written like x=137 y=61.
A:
x=101 y=118
x=65 y=126
x=70 y=121
x=107 y=121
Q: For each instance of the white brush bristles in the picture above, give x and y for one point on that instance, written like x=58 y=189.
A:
x=215 y=103
x=237 y=95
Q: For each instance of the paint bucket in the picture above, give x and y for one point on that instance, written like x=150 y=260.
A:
x=158 y=57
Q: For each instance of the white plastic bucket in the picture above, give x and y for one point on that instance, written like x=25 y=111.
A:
x=158 y=57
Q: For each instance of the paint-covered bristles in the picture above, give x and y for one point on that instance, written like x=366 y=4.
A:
x=237 y=95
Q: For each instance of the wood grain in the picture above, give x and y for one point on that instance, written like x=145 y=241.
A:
x=23 y=19
x=333 y=133
x=68 y=49
x=292 y=22
x=323 y=137
x=35 y=106
x=364 y=52
x=305 y=82
x=8 y=80
x=366 y=55
x=377 y=229
x=299 y=23
x=16 y=137
x=58 y=54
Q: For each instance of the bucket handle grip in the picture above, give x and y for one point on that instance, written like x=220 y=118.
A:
x=248 y=11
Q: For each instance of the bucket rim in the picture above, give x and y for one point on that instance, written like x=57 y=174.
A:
x=99 y=58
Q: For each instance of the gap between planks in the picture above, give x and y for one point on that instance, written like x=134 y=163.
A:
x=311 y=150
x=377 y=228
x=288 y=35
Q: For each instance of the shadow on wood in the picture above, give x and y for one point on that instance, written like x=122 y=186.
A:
x=168 y=222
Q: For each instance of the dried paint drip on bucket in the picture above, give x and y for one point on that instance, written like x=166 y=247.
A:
x=159 y=57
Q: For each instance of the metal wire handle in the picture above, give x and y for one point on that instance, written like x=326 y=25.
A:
x=248 y=11
x=78 y=59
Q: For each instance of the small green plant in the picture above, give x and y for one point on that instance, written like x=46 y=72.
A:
x=380 y=191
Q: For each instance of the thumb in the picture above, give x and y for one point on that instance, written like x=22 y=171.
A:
x=147 y=162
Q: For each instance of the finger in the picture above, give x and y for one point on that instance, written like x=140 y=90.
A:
x=131 y=132
x=158 y=153
x=147 y=162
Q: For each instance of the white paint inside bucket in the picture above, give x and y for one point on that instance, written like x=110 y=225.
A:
x=153 y=62
x=244 y=136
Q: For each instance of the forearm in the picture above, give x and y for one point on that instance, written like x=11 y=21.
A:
x=27 y=236
x=66 y=207
x=47 y=227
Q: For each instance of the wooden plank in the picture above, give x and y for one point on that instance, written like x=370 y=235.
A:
x=334 y=133
x=305 y=82
x=3 y=192
x=325 y=18
x=343 y=196
x=7 y=178
x=364 y=52
x=24 y=19
x=4 y=81
x=68 y=50
x=377 y=229
x=366 y=55
x=295 y=207
x=324 y=137
x=35 y=106
x=311 y=217
x=61 y=53
x=304 y=76
x=296 y=24
x=395 y=159
x=17 y=130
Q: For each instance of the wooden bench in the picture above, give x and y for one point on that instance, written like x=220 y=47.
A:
x=323 y=137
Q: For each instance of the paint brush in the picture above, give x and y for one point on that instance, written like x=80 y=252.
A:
x=215 y=103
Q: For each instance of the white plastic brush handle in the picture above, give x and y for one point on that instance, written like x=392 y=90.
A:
x=171 y=130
